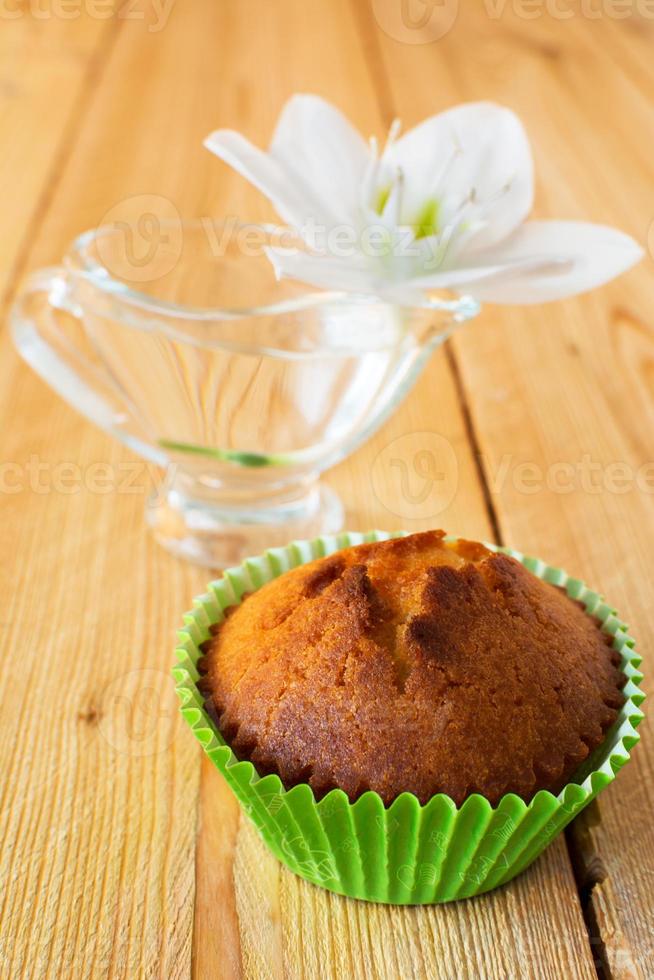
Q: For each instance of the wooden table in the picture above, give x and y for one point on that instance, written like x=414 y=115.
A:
x=123 y=854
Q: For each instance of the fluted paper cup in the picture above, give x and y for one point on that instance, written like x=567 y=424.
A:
x=406 y=853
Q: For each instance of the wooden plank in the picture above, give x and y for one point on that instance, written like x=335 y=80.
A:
x=569 y=384
x=40 y=55
x=100 y=838
x=266 y=901
x=61 y=789
x=98 y=803
x=96 y=859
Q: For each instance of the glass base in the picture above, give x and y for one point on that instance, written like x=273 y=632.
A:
x=205 y=529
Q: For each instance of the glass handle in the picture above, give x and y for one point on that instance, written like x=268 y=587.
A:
x=56 y=355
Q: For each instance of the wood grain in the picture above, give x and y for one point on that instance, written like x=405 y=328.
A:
x=120 y=854
x=99 y=805
x=37 y=129
x=567 y=387
x=263 y=939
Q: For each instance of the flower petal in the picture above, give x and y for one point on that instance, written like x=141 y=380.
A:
x=478 y=148
x=263 y=171
x=542 y=261
x=315 y=143
x=547 y=260
x=352 y=274
x=314 y=168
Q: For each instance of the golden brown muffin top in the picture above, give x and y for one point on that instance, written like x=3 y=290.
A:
x=414 y=664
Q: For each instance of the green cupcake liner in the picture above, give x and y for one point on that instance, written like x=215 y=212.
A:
x=404 y=853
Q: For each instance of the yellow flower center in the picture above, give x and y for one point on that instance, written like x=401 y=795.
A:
x=426 y=222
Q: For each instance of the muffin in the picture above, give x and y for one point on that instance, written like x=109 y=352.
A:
x=352 y=668
x=413 y=665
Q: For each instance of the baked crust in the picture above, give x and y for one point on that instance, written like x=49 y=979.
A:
x=416 y=665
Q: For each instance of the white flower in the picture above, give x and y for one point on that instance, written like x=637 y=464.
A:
x=442 y=207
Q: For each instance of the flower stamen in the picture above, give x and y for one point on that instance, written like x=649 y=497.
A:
x=398 y=194
x=393 y=133
x=457 y=151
